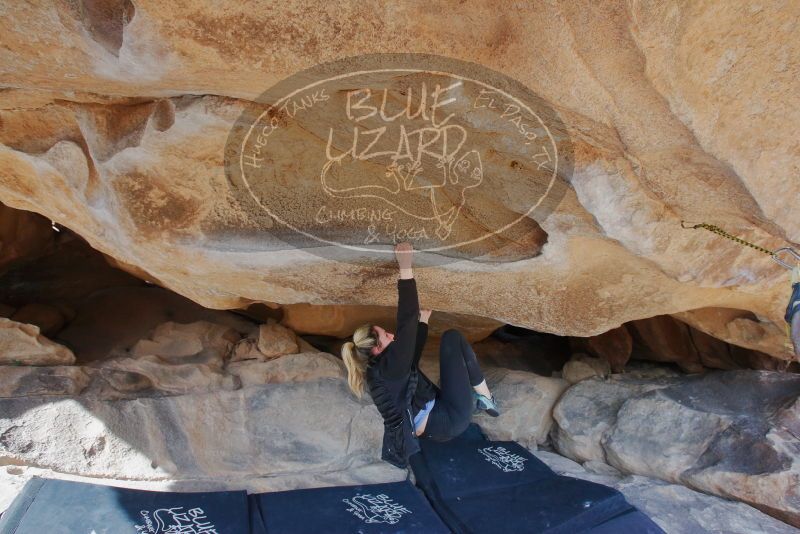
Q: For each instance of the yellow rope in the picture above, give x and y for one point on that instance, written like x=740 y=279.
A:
x=795 y=272
x=723 y=233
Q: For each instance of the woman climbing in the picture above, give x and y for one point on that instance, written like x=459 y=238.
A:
x=386 y=365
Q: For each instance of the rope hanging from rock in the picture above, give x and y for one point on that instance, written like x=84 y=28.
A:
x=773 y=254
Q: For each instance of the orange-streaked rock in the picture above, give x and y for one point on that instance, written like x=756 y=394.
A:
x=104 y=132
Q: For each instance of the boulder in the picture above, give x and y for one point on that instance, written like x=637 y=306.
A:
x=728 y=433
x=582 y=366
x=275 y=340
x=181 y=358
x=526 y=403
x=246 y=349
x=587 y=412
x=22 y=344
x=675 y=508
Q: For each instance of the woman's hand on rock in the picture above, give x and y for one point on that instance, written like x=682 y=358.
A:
x=424 y=315
x=403 y=252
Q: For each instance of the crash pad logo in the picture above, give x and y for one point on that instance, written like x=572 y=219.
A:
x=376 y=508
x=372 y=150
x=503 y=458
x=176 y=520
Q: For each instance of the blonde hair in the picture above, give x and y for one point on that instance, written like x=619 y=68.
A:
x=355 y=355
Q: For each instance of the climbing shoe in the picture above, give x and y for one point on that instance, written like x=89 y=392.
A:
x=482 y=402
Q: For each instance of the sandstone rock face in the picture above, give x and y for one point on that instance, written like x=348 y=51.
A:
x=49 y=319
x=254 y=432
x=666 y=339
x=340 y=321
x=614 y=346
x=532 y=352
x=293 y=423
x=727 y=324
x=299 y=367
x=174 y=378
x=732 y=434
x=115 y=121
x=31 y=381
x=23 y=236
x=182 y=358
x=22 y=344
x=175 y=412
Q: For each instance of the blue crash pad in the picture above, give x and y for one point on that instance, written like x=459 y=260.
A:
x=482 y=486
x=395 y=507
x=493 y=465
x=67 y=507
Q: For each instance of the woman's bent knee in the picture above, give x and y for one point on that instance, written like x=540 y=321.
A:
x=452 y=333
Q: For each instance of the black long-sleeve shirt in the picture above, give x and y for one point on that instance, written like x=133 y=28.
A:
x=426 y=390
x=400 y=355
x=391 y=375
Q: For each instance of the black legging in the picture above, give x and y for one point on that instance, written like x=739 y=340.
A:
x=458 y=372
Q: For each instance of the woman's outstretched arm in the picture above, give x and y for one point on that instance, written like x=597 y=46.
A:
x=401 y=357
x=422 y=334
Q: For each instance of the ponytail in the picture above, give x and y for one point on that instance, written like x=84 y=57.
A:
x=355 y=355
